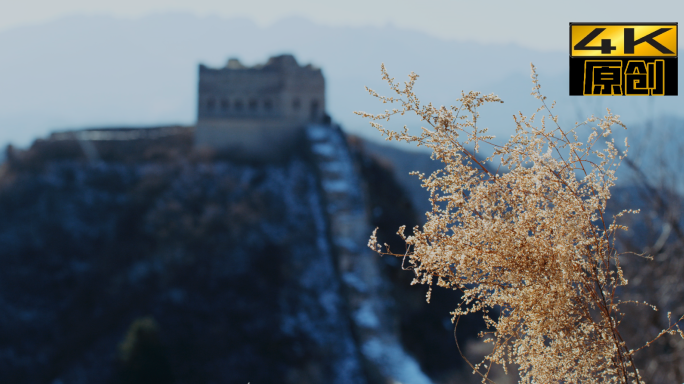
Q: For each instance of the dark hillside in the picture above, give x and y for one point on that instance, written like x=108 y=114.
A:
x=208 y=270
x=213 y=252
x=426 y=329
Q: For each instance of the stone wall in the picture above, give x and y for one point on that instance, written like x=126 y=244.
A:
x=250 y=139
x=257 y=112
x=367 y=291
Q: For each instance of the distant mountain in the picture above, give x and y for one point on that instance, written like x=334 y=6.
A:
x=101 y=71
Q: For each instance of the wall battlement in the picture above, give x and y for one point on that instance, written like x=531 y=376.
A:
x=256 y=113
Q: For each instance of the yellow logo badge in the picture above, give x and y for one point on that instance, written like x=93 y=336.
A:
x=623 y=59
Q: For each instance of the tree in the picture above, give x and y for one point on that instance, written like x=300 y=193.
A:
x=528 y=245
x=141 y=355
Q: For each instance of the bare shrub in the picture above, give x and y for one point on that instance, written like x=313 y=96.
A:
x=528 y=244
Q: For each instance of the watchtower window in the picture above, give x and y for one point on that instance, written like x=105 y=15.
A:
x=268 y=104
x=253 y=105
x=210 y=104
x=238 y=105
x=296 y=104
x=314 y=110
x=224 y=104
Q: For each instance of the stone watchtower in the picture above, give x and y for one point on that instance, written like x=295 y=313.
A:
x=259 y=112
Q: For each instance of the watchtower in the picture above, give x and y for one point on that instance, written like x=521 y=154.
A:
x=257 y=113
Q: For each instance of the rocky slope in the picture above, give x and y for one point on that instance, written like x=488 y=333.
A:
x=139 y=260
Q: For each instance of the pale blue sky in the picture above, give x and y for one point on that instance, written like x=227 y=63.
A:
x=534 y=24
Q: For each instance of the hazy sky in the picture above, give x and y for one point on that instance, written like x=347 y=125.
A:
x=531 y=23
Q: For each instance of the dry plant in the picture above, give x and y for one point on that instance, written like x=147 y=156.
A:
x=528 y=245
